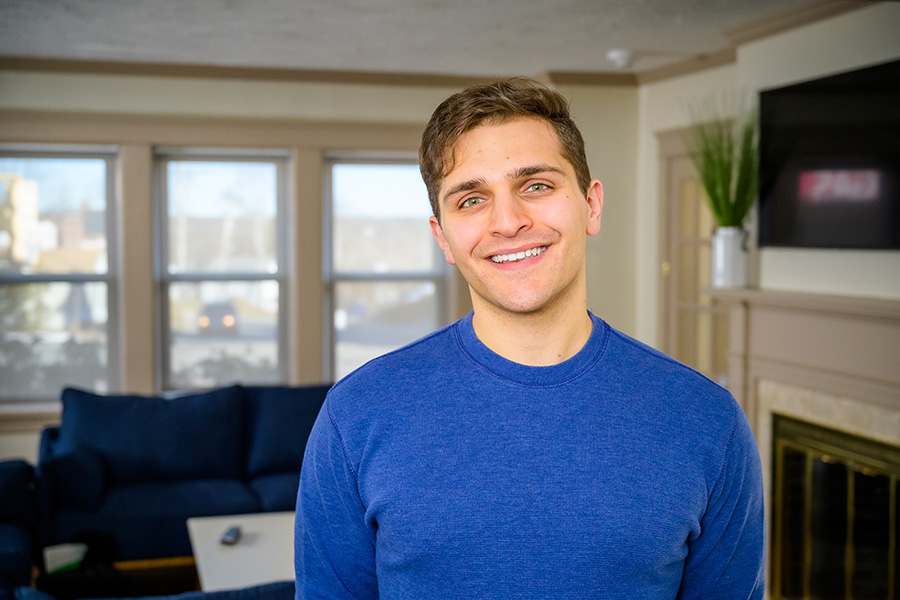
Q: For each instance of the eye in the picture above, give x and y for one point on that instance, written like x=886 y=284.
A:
x=471 y=201
x=538 y=187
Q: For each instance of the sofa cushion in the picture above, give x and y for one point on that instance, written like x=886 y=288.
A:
x=279 y=590
x=144 y=438
x=17 y=492
x=277 y=492
x=149 y=520
x=79 y=479
x=279 y=421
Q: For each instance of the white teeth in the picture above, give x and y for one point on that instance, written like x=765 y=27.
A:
x=502 y=258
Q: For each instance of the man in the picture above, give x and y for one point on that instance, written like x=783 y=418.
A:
x=528 y=450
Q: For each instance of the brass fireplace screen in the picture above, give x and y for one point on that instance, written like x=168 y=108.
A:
x=835 y=515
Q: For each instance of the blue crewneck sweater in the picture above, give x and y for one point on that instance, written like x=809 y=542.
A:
x=443 y=470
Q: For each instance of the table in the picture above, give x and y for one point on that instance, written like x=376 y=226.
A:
x=263 y=554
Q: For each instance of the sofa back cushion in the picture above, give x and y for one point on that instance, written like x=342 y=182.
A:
x=279 y=421
x=143 y=438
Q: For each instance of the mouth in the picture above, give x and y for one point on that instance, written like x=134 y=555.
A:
x=517 y=256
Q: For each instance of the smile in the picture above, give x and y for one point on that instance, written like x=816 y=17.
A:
x=505 y=258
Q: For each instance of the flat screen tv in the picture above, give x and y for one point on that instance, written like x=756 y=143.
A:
x=829 y=161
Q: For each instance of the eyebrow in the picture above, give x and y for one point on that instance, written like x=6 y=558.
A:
x=519 y=173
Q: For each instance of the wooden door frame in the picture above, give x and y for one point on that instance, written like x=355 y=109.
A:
x=671 y=146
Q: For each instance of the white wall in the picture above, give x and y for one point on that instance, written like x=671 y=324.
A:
x=209 y=97
x=852 y=40
x=608 y=119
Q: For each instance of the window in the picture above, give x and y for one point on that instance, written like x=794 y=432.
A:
x=56 y=288
x=221 y=252
x=388 y=281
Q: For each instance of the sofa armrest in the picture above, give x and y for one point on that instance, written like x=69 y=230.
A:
x=18 y=518
x=17 y=501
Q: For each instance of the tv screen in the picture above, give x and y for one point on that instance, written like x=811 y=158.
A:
x=829 y=162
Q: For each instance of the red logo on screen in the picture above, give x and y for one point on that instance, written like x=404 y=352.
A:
x=840 y=185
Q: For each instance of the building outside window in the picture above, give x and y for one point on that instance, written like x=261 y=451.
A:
x=388 y=282
x=221 y=257
x=56 y=287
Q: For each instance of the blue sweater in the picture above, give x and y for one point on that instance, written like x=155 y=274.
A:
x=443 y=470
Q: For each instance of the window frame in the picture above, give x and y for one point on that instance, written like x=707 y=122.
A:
x=110 y=155
x=136 y=135
x=442 y=276
x=162 y=156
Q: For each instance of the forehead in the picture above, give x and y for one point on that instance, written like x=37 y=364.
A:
x=492 y=147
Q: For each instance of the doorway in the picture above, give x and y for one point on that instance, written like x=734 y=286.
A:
x=694 y=328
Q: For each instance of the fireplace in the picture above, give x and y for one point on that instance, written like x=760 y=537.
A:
x=819 y=379
x=834 y=513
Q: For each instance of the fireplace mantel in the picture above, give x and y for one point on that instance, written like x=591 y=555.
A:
x=838 y=345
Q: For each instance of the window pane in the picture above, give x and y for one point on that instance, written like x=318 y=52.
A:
x=372 y=318
x=380 y=219
x=52 y=335
x=222 y=217
x=222 y=333
x=53 y=215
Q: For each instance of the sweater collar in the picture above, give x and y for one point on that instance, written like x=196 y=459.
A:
x=554 y=375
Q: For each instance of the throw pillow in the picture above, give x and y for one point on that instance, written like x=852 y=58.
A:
x=143 y=438
x=280 y=419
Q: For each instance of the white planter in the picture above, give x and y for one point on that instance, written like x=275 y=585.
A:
x=729 y=258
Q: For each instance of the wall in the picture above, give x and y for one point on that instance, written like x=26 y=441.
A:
x=851 y=40
x=608 y=119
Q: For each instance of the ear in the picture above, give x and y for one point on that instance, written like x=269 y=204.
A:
x=595 y=206
x=438 y=234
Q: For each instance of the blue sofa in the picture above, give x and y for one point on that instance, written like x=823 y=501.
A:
x=17 y=523
x=137 y=467
x=282 y=590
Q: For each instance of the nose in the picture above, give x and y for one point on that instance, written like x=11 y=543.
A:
x=509 y=216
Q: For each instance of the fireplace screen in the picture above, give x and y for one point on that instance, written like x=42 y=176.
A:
x=835 y=515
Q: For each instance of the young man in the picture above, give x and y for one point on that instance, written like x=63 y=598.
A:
x=528 y=450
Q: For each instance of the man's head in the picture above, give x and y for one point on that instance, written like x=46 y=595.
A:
x=493 y=104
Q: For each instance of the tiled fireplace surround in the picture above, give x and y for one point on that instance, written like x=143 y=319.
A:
x=828 y=360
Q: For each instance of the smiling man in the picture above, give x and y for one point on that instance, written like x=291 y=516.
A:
x=528 y=450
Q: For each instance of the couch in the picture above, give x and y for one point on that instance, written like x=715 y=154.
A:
x=137 y=467
x=282 y=590
x=17 y=523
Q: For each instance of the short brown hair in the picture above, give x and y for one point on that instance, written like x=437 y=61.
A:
x=495 y=103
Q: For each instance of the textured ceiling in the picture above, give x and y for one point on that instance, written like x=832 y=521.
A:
x=439 y=37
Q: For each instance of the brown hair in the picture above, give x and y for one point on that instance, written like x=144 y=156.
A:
x=495 y=103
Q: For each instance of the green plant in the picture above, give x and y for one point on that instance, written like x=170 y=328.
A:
x=724 y=151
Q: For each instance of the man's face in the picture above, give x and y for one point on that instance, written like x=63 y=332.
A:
x=513 y=219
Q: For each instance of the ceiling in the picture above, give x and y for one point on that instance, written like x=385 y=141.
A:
x=468 y=38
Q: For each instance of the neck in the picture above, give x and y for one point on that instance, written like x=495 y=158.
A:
x=534 y=339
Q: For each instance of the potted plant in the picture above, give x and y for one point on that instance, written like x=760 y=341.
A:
x=724 y=152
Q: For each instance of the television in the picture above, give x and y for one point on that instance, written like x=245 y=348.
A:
x=829 y=161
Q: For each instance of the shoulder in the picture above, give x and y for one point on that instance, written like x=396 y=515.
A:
x=658 y=371
x=379 y=382
x=677 y=403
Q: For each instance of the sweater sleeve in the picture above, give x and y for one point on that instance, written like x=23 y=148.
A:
x=726 y=560
x=334 y=549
